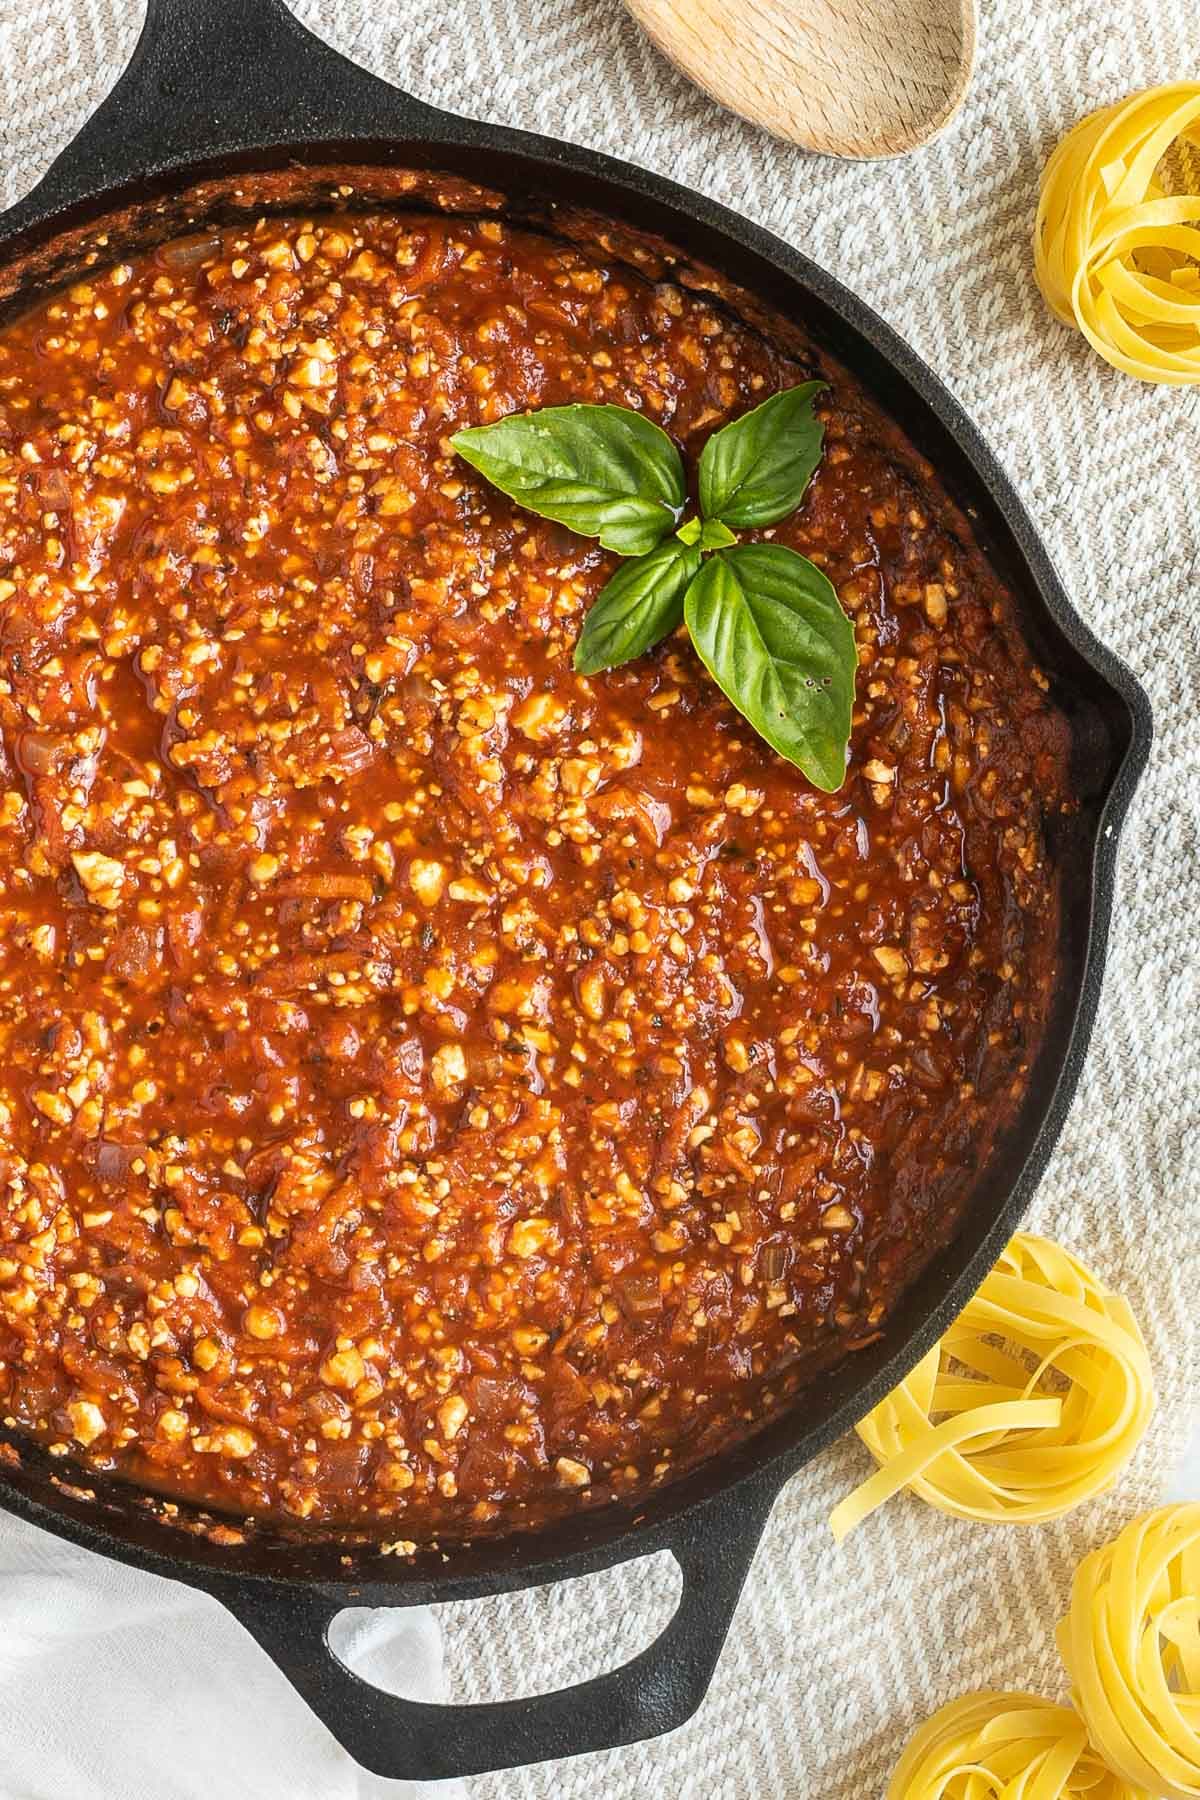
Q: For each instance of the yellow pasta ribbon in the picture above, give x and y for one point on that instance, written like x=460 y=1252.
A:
x=1032 y=1402
x=1131 y=1643
x=1003 y=1747
x=1115 y=253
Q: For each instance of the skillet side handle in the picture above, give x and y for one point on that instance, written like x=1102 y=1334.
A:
x=655 y=1692
x=212 y=78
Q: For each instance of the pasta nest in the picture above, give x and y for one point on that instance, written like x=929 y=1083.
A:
x=1131 y=1644
x=1116 y=253
x=1032 y=1401
x=1005 y=1746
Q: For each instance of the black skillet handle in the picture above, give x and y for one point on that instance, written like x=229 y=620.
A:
x=216 y=78
x=655 y=1692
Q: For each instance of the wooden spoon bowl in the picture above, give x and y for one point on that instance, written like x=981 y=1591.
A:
x=857 y=78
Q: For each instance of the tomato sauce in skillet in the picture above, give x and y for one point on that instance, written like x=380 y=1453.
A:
x=438 y=1089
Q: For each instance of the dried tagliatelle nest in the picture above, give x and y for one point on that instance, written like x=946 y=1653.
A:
x=1131 y=1643
x=1117 y=239
x=1032 y=1402
x=1003 y=1746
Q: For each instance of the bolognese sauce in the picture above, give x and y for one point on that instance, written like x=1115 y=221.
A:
x=435 y=1085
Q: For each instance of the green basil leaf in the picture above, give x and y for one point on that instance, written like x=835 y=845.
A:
x=636 y=609
x=689 y=532
x=771 y=632
x=715 y=535
x=603 y=471
x=755 y=470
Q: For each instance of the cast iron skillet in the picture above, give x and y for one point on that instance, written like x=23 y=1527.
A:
x=220 y=87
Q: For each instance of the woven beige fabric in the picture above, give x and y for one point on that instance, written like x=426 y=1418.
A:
x=835 y=1654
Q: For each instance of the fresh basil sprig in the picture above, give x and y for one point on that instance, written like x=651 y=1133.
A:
x=765 y=621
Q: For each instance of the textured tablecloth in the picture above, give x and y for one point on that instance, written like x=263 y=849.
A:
x=834 y=1654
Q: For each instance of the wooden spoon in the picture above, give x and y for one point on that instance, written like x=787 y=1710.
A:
x=861 y=78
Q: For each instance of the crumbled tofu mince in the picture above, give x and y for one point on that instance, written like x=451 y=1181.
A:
x=438 y=1089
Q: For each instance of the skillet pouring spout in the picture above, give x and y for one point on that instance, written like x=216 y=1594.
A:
x=230 y=108
x=234 y=83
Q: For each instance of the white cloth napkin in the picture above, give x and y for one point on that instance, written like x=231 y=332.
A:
x=114 y=1685
x=118 y=1685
